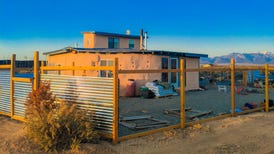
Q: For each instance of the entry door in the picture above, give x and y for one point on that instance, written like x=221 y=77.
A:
x=174 y=76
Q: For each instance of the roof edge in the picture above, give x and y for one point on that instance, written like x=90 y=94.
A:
x=124 y=50
x=111 y=34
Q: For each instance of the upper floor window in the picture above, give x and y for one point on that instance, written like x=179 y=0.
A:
x=131 y=43
x=113 y=42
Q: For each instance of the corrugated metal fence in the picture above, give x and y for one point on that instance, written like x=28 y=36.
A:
x=21 y=92
x=94 y=94
x=97 y=95
x=5 y=91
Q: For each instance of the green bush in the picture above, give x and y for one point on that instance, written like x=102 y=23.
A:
x=56 y=125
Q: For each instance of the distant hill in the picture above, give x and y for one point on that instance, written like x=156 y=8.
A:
x=241 y=58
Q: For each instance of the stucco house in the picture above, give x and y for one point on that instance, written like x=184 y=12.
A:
x=101 y=48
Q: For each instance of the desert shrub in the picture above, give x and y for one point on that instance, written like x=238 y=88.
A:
x=56 y=125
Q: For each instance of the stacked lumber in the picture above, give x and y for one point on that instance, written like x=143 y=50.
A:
x=159 y=90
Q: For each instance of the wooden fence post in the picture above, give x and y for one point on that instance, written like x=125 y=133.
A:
x=115 y=130
x=12 y=74
x=41 y=67
x=232 y=68
x=182 y=93
x=266 y=88
x=36 y=70
x=245 y=78
x=73 y=71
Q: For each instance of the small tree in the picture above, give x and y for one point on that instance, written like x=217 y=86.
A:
x=56 y=125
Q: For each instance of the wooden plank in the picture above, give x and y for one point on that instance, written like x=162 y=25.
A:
x=29 y=80
x=152 y=122
x=208 y=119
x=12 y=74
x=36 y=68
x=266 y=89
x=135 y=117
x=148 y=71
x=63 y=68
x=207 y=69
x=197 y=111
x=199 y=114
x=157 y=121
x=5 y=113
x=5 y=66
x=129 y=125
x=271 y=69
x=151 y=126
x=115 y=118
x=149 y=132
x=19 y=118
x=175 y=111
x=182 y=92
x=232 y=74
x=42 y=65
x=249 y=67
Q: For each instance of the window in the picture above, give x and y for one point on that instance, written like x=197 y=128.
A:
x=113 y=42
x=106 y=73
x=131 y=43
x=174 y=65
x=164 y=66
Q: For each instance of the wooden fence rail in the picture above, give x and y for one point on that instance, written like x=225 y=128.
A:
x=232 y=68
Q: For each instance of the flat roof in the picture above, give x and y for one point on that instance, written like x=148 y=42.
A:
x=112 y=34
x=125 y=51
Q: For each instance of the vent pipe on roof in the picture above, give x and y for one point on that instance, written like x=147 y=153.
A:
x=76 y=45
x=145 y=41
x=141 y=39
x=128 y=32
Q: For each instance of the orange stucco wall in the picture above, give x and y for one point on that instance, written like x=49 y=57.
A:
x=88 y=40
x=97 y=41
x=100 y=41
x=126 y=62
x=124 y=43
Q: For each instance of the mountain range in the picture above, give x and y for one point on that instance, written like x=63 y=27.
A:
x=241 y=58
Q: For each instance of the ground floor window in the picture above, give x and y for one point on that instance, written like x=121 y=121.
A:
x=164 y=66
x=104 y=73
x=171 y=77
x=174 y=75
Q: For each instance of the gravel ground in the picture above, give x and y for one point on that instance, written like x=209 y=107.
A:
x=208 y=100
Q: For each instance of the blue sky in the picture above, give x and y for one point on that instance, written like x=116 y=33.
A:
x=214 y=27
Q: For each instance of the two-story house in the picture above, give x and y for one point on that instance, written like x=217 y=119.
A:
x=97 y=39
x=101 y=48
